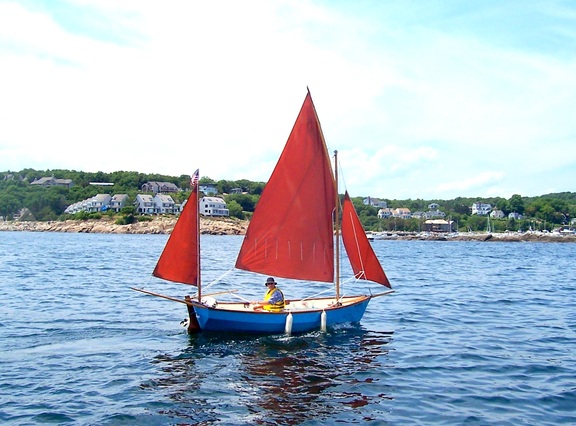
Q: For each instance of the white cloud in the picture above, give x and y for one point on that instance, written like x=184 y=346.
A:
x=418 y=104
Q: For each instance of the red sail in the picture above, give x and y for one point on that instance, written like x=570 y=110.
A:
x=364 y=262
x=179 y=261
x=291 y=232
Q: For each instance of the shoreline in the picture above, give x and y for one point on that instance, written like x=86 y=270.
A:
x=228 y=226
x=158 y=225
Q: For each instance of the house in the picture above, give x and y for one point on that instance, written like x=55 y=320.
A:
x=98 y=203
x=159 y=187
x=75 y=208
x=47 y=182
x=402 y=212
x=118 y=202
x=419 y=215
x=433 y=206
x=439 y=225
x=145 y=204
x=164 y=204
x=515 y=216
x=384 y=213
x=213 y=206
x=481 y=209
x=369 y=201
x=431 y=214
x=236 y=191
x=497 y=214
x=208 y=189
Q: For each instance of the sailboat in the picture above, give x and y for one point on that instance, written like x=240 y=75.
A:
x=294 y=233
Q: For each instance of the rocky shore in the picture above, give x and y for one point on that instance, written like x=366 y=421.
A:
x=489 y=237
x=159 y=225
x=230 y=226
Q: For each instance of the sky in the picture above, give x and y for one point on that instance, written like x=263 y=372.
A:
x=422 y=99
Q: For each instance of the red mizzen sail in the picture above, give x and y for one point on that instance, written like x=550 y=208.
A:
x=291 y=232
x=364 y=262
x=179 y=261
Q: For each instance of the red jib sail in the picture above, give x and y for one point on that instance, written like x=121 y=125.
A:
x=364 y=262
x=291 y=232
x=179 y=261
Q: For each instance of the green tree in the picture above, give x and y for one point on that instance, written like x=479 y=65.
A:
x=235 y=209
x=515 y=204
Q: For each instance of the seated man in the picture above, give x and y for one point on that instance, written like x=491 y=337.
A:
x=273 y=299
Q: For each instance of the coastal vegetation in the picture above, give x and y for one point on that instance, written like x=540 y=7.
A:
x=544 y=212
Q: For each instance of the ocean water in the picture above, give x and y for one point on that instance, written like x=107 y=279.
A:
x=476 y=334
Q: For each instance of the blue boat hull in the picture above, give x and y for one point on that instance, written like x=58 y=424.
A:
x=224 y=320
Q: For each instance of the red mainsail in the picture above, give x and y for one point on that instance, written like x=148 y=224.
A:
x=179 y=261
x=364 y=262
x=291 y=232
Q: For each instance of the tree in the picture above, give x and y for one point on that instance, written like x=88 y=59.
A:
x=515 y=204
x=235 y=209
x=246 y=201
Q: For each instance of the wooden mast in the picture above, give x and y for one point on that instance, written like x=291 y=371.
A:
x=337 y=223
x=198 y=274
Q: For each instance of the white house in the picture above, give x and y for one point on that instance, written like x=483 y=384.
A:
x=481 y=209
x=164 y=204
x=98 y=203
x=384 y=213
x=402 y=212
x=145 y=204
x=515 y=216
x=213 y=206
x=118 y=202
x=497 y=214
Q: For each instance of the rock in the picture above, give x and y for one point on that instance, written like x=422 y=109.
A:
x=159 y=225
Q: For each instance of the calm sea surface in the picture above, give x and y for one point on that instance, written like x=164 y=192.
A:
x=476 y=334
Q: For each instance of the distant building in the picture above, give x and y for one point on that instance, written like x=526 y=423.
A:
x=431 y=214
x=47 y=182
x=370 y=201
x=160 y=187
x=98 y=203
x=481 y=209
x=118 y=202
x=515 y=216
x=208 y=189
x=213 y=206
x=164 y=204
x=145 y=204
x=438 y=225
x=497 y=214
x=384 y=213
x=402 y=212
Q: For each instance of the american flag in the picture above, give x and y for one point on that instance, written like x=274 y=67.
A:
x=194 y=178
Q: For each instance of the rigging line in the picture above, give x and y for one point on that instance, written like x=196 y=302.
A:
x=240 y=297
x=352 y=278
x=217 y=280
x=316 y=295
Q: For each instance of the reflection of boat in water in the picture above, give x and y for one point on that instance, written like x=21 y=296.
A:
x=295 y=233
x=277 y=380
